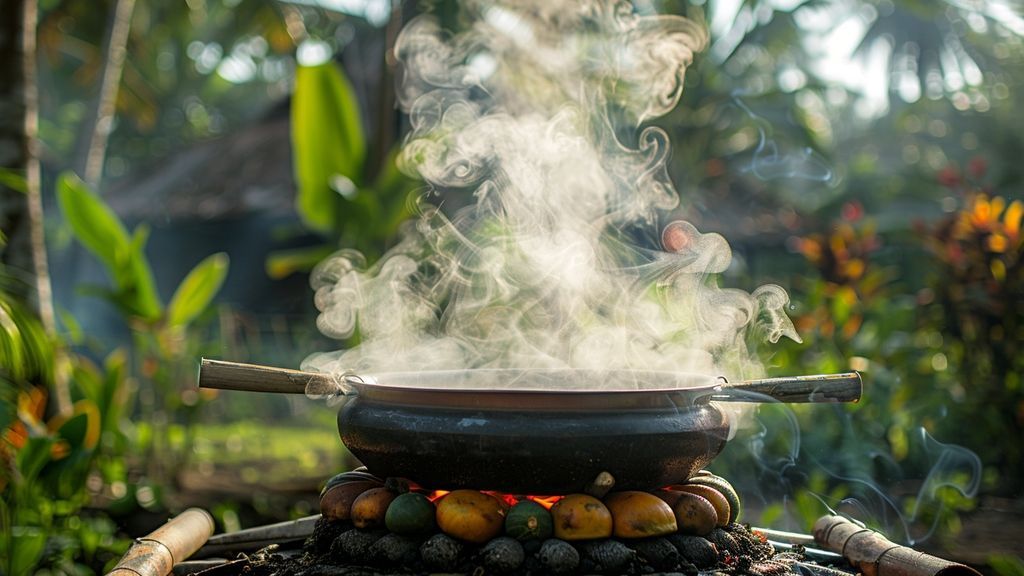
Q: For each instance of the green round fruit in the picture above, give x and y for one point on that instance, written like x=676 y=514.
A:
x=411 y=513
x=723 y=486
x=528 y=520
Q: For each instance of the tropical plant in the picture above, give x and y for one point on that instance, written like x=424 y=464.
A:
x=979 y=250
x=164 y=347
x=46 y=461
x=341 y=196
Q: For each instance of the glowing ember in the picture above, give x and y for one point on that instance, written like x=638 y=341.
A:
x=509 y=499
x=437 y=495
x=545 y=501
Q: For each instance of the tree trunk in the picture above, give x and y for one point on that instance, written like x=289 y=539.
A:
x=116 y=49
x=21 y=211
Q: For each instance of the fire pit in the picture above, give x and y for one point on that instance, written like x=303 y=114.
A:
x=371 y=525
x=503 y=473
x=367 y=527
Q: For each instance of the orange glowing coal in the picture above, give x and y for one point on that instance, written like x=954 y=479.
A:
x=437 y=495
x=545 y=501
x=509 y=499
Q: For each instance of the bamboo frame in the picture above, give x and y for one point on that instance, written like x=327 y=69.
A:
x=156 y=553
x=874 y=555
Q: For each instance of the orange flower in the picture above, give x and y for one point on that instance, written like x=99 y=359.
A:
x=810 y=248
x=853 y=268
x=991 y=221
x=997 y=243
x=16 y=435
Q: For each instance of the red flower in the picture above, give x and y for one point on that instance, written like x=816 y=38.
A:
x=949 y=177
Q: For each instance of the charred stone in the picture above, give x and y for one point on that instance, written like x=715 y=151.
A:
x=502 y=555
x=607 y=556
x=441 y=552
x=698 y=551
x=558 y=556
x=354 y=546
x=395 y=550
x=659 y=553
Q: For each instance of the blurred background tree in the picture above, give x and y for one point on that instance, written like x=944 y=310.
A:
x=861 y=153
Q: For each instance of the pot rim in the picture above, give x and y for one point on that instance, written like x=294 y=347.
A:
x=535 y=389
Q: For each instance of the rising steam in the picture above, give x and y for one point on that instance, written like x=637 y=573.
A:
x=537 y=110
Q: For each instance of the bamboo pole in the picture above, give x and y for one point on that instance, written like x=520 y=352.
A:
x=255 y=378
x=874 y=555
x=157 y=553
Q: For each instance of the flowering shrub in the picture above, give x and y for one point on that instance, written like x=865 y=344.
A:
x=979 y=296
x=848 y=284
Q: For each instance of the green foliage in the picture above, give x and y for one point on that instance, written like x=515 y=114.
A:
x=48 y=462
x=97 y=228
x=334 y=198
x=1006 y=565
x=165 y=343
x=329 y=144
x=283 y=263
x=26 y=352
x=197 y=290
x=13 y=180
x=123 y=255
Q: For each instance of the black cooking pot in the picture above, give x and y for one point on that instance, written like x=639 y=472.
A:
x=533 y=431
x=549 y=431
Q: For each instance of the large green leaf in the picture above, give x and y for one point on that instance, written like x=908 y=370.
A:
x=197 y=290
x=96 y=226
x=32 y=457
x=146 y=301
x=327 y=142
x=27 y=546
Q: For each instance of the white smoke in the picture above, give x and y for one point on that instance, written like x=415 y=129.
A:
x=536 y=109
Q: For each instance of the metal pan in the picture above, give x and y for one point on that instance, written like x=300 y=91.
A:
x=533 y=431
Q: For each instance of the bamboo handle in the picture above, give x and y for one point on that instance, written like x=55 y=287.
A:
x=157 y=553
x=874 y=555
x=846 y=387
x=255 y=378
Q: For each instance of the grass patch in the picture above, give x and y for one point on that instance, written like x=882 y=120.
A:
x=268 y=454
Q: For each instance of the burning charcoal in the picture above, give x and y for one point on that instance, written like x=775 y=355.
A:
x=324 y=533
x=354 y=545
x=441 y=552
x=724 y=542
x=658 y=552
x=395 y=550
x=502 y=555
x=750 y=544
x=558 y=556
x=699 y=551
x=607 y=556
